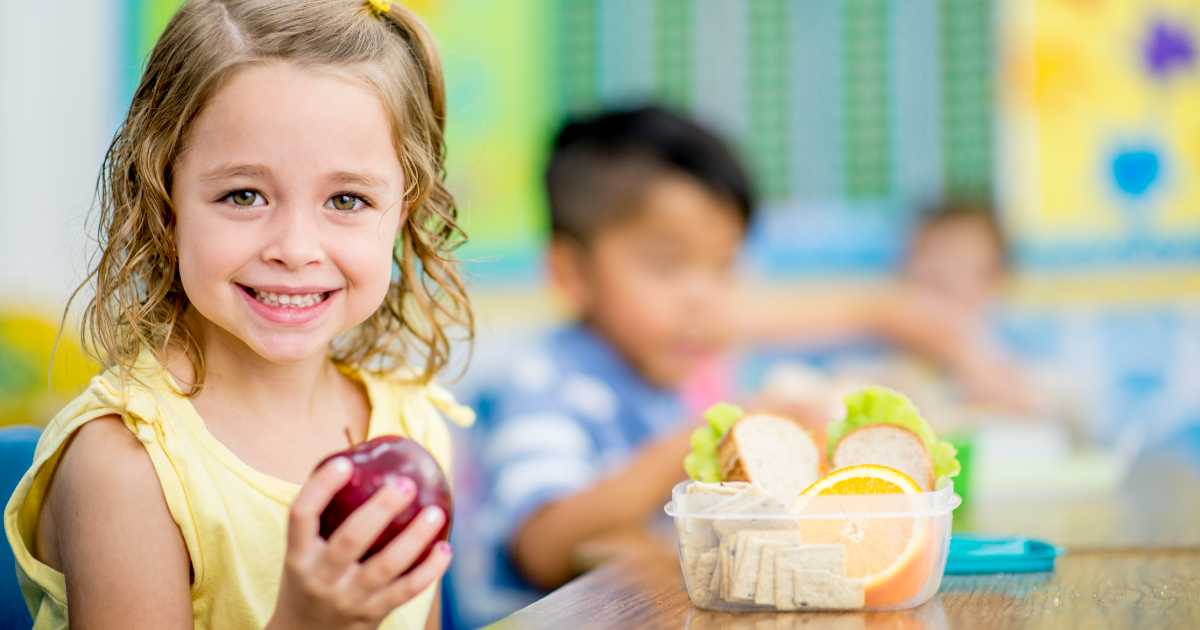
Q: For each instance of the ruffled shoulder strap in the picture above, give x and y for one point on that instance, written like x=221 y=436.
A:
x=403 y=406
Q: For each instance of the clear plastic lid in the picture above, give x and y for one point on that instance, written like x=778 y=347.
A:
x=686 y=503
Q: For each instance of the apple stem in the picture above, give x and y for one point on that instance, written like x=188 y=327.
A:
x=350 y=438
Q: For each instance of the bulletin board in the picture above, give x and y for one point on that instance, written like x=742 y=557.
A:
x=1100 y=111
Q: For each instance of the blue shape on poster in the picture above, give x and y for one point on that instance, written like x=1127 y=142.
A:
x=1135 y=171
x=1168 y=48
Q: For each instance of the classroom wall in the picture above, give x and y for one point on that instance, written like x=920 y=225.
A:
x=58 y=108
x=1081 y=118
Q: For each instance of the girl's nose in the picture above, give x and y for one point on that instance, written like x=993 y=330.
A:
x=294 y=239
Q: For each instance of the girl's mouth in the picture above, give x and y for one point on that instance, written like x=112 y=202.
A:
x=286 y=300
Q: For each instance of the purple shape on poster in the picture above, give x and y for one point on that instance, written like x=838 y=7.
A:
x=1135 y=171
x=1168 y=48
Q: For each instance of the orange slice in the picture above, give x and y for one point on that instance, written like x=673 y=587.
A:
x=891 y=555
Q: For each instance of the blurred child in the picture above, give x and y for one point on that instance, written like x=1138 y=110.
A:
x=279 y=163
x=587 y=434
x=959 y=252
x=959 y=255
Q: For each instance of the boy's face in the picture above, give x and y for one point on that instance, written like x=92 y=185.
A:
x=959 y=260
x=659 y=286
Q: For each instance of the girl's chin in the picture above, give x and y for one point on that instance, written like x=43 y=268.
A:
x=291 y=351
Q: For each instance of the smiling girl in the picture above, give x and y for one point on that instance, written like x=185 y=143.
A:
x=275 y=270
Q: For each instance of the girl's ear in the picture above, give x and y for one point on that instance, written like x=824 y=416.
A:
x=567 y=265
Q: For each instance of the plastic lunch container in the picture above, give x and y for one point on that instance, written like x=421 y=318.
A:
x=743 y=550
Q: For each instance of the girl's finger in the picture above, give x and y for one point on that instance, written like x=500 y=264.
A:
x=403 y=550
x=359 y=531
x=404 y=589
x=304 y=518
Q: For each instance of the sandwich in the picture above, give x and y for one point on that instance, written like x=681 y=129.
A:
x=883 y=427
x=770 y=451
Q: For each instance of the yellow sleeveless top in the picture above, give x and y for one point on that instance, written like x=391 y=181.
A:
x=233 y=518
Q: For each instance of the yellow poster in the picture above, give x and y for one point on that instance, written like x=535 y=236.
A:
x=1100 y=130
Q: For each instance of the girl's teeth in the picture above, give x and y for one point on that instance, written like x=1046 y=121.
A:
x=289 y=300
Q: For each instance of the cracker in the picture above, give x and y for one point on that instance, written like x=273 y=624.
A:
x=724 y=488
x=831 y=558
x=750 y=505
x=749 y=555
x=784 y=585
x=804 y=557
x=764 y=591
x=822 y=589
x=696 y=535
x=706 y=566
x=726 y=550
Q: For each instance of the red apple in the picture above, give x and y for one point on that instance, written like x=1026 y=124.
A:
x=381 y=461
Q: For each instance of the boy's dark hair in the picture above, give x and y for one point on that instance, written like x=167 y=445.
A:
x=601 y=165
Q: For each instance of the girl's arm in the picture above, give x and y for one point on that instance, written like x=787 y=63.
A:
x=106 y=527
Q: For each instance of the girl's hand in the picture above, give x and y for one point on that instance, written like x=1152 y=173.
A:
x=325 y=586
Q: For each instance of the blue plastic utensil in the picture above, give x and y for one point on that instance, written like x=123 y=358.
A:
x=1000 y=554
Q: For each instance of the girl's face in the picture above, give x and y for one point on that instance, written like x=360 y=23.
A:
x=288 y=200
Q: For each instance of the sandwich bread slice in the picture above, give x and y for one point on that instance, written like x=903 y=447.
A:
x=887 y=445
x=883 y=427
x=773 y=452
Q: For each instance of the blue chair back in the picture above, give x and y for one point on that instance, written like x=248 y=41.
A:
x=17 y=444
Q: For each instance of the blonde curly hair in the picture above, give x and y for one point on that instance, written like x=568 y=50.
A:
x=139 y=300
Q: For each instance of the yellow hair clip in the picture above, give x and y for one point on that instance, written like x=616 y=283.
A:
x=380 y=6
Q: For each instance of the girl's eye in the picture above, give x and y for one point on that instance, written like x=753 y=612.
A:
x=345 y=202
x=246 y=198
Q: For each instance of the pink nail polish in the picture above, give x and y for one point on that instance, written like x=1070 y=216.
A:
x=406 y=486
x=444 y=547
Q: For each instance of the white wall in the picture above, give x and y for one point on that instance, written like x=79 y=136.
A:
x=58 y=109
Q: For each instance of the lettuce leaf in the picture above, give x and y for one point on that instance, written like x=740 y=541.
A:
x=702 y=463
x=876 y=405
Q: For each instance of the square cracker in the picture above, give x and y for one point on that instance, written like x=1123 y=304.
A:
x=750 y=499
x=818 y=557
x=784 y=585
x=803 y=557
x=721 y=577
x=749 y=556
x=822 y=589
x=764 y=591
x=701 y=581
x=723 y=488
x=696 y=535
x=749 y=505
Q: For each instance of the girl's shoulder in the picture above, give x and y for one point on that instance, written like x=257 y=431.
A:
x=403 y=405
x=402 y=390
x=93 y=480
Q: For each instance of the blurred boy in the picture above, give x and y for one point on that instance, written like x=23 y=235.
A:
x=648 y=212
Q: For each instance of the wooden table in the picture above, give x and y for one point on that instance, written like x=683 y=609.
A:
x=1134 y=562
